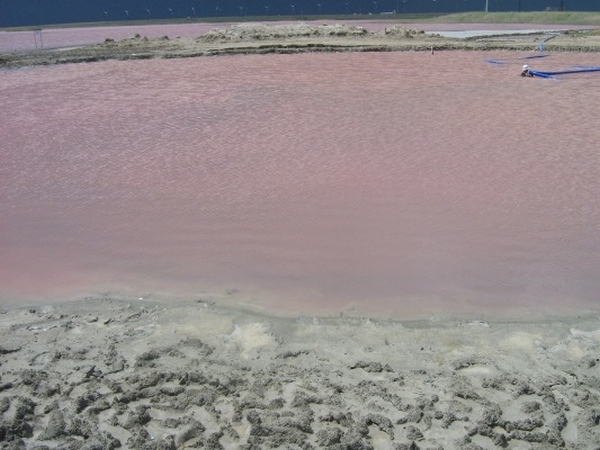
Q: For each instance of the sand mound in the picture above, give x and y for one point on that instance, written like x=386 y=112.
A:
x=257 y=31
x=402 y=32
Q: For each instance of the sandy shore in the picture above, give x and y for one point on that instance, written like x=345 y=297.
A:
x=109 y=373
x=296 y=38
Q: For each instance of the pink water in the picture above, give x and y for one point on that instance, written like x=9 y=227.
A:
x=392 y=183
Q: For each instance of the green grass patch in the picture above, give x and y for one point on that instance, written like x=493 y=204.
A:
x=545 y=17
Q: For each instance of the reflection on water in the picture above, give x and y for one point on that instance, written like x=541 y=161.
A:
x=395 y=182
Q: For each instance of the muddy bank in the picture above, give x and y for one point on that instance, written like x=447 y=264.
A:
x=260 y=38
x=108 y=373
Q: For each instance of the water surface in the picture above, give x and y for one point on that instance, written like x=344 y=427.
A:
x=395 y=183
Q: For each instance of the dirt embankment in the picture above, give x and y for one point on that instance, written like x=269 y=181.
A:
x=297 y=38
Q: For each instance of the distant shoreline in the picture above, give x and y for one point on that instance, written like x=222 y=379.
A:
x=302 y=38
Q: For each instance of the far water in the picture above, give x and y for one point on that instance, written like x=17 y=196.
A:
x=402 y=184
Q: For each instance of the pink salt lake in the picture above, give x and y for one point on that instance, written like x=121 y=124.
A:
x=400 y=184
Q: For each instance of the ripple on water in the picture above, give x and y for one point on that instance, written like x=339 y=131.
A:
x=392 y=182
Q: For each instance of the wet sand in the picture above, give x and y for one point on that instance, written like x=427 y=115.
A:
x=108 y=372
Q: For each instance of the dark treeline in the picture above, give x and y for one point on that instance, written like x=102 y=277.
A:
x=40 y=12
